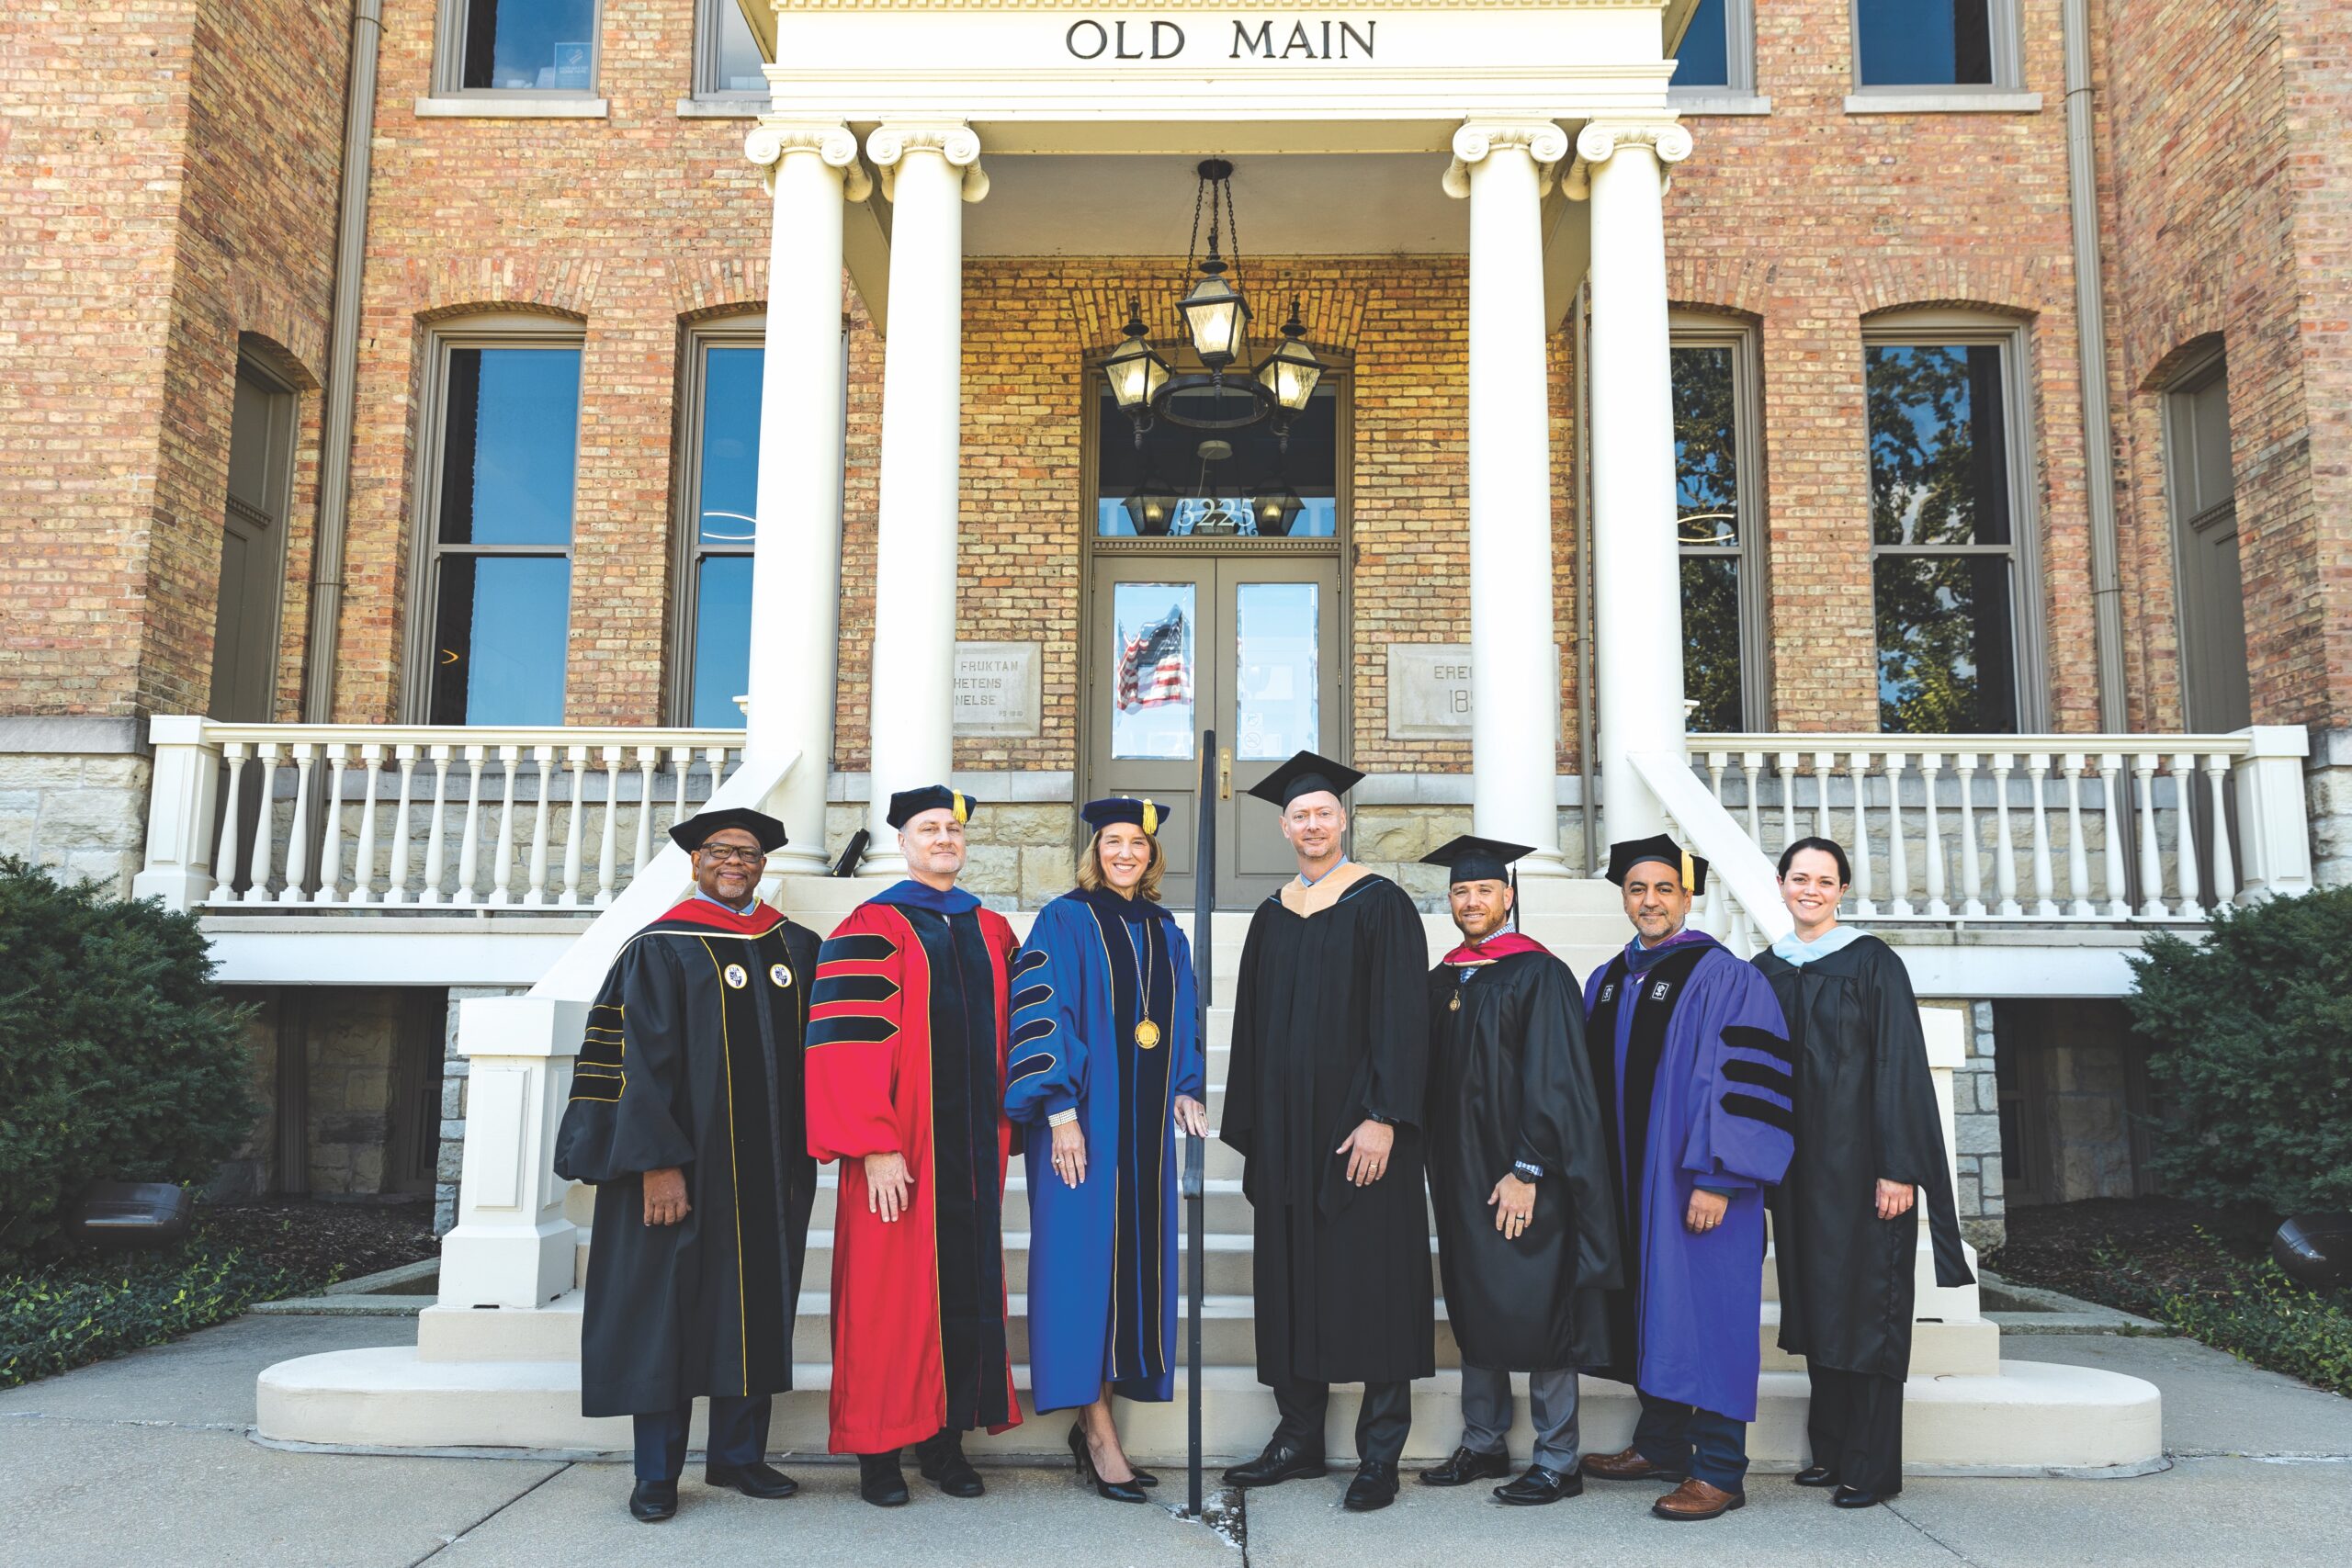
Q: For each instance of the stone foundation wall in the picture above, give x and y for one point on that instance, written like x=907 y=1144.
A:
x=1976 y=1133
x=74 y=796
x=452 y=1161
x=2328 y=783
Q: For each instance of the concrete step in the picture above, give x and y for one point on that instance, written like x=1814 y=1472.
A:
x=2031 y=1419
x=1227 y=1210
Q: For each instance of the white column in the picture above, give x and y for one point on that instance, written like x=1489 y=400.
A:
x=1504 y=171
x=796 y=557
x=929 y=171
x=1636 y=587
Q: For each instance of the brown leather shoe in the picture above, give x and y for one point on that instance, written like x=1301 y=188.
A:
x=1626 y=1466
x=1694 y=1499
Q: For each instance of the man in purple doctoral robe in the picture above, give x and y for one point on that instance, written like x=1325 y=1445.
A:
x=1690 y=1059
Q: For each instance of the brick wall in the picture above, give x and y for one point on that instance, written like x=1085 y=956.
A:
x=172 y=187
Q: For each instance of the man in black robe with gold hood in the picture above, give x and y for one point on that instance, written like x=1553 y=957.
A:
x=1323 y=1101
x=687 y=1114
x=1518 y=1181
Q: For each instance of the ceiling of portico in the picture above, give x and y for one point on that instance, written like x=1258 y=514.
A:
x=1324 y=204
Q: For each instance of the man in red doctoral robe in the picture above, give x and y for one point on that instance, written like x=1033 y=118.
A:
x=905 y=1075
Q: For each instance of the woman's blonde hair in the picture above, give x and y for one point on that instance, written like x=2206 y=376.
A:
x=1090 y=867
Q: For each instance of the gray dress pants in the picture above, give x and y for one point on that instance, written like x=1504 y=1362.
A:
x=1552 y=1404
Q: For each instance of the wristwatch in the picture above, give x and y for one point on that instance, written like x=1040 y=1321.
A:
x=1525 y=1171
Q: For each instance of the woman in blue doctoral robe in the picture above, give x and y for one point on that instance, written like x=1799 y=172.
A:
x=1105 y=1064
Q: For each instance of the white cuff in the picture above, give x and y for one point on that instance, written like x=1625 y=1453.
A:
x=1062 y=1118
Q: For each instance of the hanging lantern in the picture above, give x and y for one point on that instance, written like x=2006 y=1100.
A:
x=1134 y=369
x=1152 y=509
x=1215 y=314
x=1275 y=508
x=1291 y=372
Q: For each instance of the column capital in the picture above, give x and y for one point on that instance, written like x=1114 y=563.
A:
x=1477 y=139
x=776 y=137
x=1599 y=141
x=952 y=140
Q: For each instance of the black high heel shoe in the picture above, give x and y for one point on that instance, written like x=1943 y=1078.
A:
x=1108 y=1491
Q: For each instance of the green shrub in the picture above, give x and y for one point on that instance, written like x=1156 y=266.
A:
x=2252 y=1059
x=118 y=1056
x=54 y=1319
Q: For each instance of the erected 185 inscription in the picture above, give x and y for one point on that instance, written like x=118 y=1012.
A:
x=1322 y=38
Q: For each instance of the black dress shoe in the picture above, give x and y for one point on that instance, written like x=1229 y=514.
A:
x=1281 y=1461
x=761 y=1480
x=1855 y=1497
x=1466 y=1466
x=1373 y=1488
x=1540 y=1485
x=941 y=1460
x=1817 y=1475
x=650 y=1502
x=880 y=1481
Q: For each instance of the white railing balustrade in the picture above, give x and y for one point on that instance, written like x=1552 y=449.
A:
x=313 y=818
x=2040 y=828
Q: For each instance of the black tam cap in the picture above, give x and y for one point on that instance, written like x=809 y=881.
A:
x=1624 y=857
x=1147 y=814
x=694 y=831
x=909 y=803
x=1305 y=774
x=1473 y=859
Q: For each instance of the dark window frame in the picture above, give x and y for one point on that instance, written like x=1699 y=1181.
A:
x=1739 y=59
x=2007 y=47
x=449 y=59
x=1689 y=329
x=747 y=331
x=498 y=331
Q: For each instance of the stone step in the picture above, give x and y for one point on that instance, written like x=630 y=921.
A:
x=2030 y=1418
x=1227 y=1210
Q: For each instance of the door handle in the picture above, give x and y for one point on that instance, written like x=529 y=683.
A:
x=1225 y=773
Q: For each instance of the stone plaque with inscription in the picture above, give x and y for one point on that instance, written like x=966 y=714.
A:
x=999 y=687
x=1429 y=690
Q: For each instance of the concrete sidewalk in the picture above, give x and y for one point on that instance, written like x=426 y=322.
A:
x=146 y=1461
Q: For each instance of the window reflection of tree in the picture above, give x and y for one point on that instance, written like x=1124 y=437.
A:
x=1707 y=516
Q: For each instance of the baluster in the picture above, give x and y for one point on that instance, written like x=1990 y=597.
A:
x=2005 y=869
x=715 y=757
x=2111 y=803
x=331 y=856
x=536 y=893
x=646 y=757
x=1715 y=764
x=1788 y=761
x=2225 y=872
x=362 y=870
x=578 y=756
x=396 y=878
x=1825 y=764
x=502 y=879
x=682 y=758
x=1751 y=778
x=469 y=846
x=1931 y=764
x=225 y=856
x=265 y=824
x=2151 y=863
x=606 y=851
x=1972 y=871
x=1898 y=854
x=2079 y=854
x=2184 y=799
x=2045 y=906
x=435 y=848
x=298 y=841
x=1857 y=768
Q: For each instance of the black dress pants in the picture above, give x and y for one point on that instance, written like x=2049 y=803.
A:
x=739 y=1435
x=1856 y=1422
x=1385 y=1416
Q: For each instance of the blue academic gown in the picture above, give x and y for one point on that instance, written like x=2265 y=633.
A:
x=1717 y=1116
x=1102 y=1254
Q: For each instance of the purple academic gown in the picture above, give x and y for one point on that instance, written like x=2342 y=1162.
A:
x=1709 y=1101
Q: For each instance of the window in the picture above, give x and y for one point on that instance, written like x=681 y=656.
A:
x=1717 y=58
x=502 y=418
x=726 y=57
x=722 y=494
x=1936 y=43
x=2208 y=581
x=1219 y=483
x=519 y=46
x=1950 y=566
x=1718 y=527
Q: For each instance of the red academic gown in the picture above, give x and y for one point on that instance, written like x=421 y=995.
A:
x=906 y=1052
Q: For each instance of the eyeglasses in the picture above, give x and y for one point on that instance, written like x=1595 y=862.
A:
x=719 y=854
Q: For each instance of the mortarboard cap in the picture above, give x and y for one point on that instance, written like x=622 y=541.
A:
x=1473 y=859
x=908 y=803
x=1147 y=814
x=1624 y=857
x=694 y=831
x=1304 y=774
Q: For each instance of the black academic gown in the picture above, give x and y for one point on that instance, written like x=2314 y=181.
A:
x=692 y=1059
x=1865 y=1109
x=1510 y=1082
x=1331 y=1025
